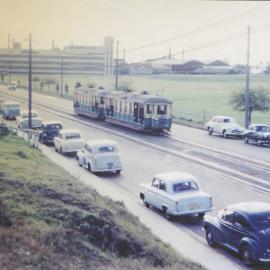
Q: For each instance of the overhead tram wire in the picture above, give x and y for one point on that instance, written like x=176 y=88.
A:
x=198 y=30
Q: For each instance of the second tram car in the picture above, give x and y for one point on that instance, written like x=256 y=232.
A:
x=137 y=111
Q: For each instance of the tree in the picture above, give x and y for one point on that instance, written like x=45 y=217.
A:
x=126 y=86
x=35 y=80
x=49 y=81
x=77 y=85
x=259 y=101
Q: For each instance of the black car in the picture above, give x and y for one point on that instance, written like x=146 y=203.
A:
x=243 y=228
x=49 y=130
x=258 y=133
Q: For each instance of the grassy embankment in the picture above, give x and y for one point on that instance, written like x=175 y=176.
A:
x=50 y=221
x=195 y=97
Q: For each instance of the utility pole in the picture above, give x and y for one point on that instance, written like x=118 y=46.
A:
x=247 y=90
x=62 y=74
x=30 y=83
x=8 y=42
x=124 y=56
x=116 y=69
x=183 y=53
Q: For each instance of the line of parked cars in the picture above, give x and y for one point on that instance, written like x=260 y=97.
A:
x=228 y=127
x=243 y=228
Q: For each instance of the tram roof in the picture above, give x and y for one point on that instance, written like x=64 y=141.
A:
x=136 y=97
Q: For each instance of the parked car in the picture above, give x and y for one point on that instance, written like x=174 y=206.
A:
x=243 y=228
x=22 y=120
x=49 y=130
x=258 y=133
x=11 y=109
x=12 y=86
x=68 y=141
x=101 y=156
x=176 y=194
x=225 y=125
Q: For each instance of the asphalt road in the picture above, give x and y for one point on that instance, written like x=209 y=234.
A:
x=141 y=162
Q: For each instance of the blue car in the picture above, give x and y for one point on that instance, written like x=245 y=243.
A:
x=49 y=130
x=243 y=228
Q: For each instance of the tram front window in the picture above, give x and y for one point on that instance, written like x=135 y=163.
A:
x=162 y=109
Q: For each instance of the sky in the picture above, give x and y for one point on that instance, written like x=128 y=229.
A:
x=203 y=30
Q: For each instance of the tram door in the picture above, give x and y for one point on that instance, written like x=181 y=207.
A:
x=136 y=112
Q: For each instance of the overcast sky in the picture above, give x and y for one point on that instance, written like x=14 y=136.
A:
x=205 y=30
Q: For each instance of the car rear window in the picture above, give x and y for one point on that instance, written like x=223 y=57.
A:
x=106 y=149
x=185 y=186
x=54 y=126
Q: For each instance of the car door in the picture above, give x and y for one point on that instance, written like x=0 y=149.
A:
x=241 y=228
x=226 y=225
x=152 y=195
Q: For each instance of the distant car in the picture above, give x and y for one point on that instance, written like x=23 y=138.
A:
x=176 y=194
x=243 y=228
x=101 y=156
x=11 y=109
x=258 y=133
x=12 y=86
x=225 y=125
x=49 y=130
x=68 y=141
x=22 y=120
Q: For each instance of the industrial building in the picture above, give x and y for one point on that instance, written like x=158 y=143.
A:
x=87 y=60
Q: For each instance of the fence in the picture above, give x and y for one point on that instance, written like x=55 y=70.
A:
x=29 y=135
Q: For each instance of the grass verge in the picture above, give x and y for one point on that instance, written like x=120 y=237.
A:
x=50 y=221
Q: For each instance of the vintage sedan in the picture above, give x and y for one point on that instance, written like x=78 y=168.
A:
x=258 y=133
x=68 y=141
x=224 y=125
x=10 y=109
x=49 y=130
x=243 y=228
x=100 y=156
x=22 y=120
x=176 y=194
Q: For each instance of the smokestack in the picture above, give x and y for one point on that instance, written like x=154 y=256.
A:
x=53 y=44
x=8 y=41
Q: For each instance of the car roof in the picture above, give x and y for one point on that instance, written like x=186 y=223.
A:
x=99 y=143
x=66 y=131
x=223 y=116
x=175 y=176
x=51 y=123
x=250 y=208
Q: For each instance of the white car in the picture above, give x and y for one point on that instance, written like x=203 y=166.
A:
x=22 y=120
x=101 y=156
x=176 y=194
x=68 y=141
x=12 y=86
x=225 y=125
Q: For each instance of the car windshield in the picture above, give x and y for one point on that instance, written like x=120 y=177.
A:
x=261 y=221
x=54 y=126
x=228 y=120
x=185 y=186
x=106 y=149
x=72 y=136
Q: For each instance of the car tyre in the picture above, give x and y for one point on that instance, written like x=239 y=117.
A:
x=146 y=203
x=246 y=140
x=89 y=167
x=167 y=214
x=61 y=150
x=210 y=238
x=118 y=172
x=225 y=134
x=55 y=148
x=247 y=255
x=259 y=143
x=210 y=131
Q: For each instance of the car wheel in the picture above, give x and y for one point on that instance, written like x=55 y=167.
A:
x=247 y=255
x=210 y=131
x=61 y=150
x=225 y=135
x=55 y=148
x=79 y=161
x=167 y=214
x=146 y=203
x=89 y=167
x=210 y=238
x=118 y=172
x=201 y=215
x=259 y=143
x=246 y=140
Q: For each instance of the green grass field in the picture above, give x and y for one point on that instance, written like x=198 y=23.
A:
x=195 y=97
x=49 y=220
